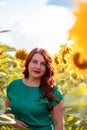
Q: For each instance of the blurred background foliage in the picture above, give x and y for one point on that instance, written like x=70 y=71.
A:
x=10 y=67
x=71 y=82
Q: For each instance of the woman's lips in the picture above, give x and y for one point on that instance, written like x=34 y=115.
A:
x=37 y=72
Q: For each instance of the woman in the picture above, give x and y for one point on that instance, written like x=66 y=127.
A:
x=34 y=99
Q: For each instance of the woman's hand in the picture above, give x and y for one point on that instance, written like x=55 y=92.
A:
x=19 y=124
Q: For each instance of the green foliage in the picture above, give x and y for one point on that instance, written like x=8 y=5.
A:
x=2 y=106
x=6 y=48
x=9 y=69
x=5 y=119
x=74 y=89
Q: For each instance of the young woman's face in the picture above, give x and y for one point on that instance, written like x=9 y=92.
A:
x=37 y=66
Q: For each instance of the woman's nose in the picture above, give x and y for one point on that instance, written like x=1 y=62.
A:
x=38 y=65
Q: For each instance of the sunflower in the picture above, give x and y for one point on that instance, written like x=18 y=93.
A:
x=75 y=62
x=21 y=54
x=78 y=32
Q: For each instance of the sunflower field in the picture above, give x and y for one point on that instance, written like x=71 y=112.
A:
x=70 y=63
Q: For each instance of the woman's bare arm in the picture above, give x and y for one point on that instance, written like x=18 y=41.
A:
x=7 y=102
x=58 y=116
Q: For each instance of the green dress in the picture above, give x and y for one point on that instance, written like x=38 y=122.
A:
x=27 y=105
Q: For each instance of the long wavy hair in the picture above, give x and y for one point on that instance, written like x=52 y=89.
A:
x=47 y=80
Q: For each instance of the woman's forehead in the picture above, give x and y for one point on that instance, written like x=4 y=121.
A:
x=38 y=56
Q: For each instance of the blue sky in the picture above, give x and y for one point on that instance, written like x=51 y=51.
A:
x=35 y=23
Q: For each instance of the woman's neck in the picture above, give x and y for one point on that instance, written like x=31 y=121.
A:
x=31 y=82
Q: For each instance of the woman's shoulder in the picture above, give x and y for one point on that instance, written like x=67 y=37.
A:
x=55 y=87
x=16 y=80
x=57 y=92
x=13 y=86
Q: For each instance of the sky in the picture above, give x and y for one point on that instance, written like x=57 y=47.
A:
x=36 y=23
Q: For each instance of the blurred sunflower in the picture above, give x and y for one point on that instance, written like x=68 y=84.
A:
x=76 y=62
x=59 y=60
x=2 y=54
x=78 y=34
x=55 y=61
x=21 y=54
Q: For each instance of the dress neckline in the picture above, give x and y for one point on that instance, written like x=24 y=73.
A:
x=28 y=85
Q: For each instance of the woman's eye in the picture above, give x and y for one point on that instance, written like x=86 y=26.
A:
x=43 y=64
x=35 y=62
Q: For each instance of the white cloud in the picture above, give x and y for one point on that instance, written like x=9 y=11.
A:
x=50 y=25
x=3 y=3
x=6 y=38
x=46 y=25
